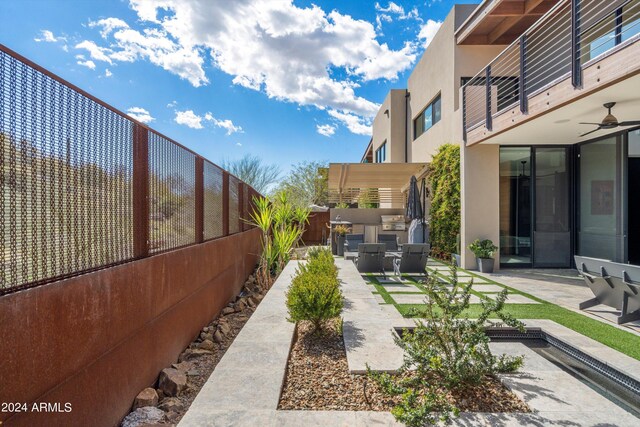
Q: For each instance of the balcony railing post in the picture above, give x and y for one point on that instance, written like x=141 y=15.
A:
x=464 y=113
x=488 y=118
x=199 y=199
x=618 y=26
x=522 y=89
x=576 y=69
x=225 y=203
x=140 y=191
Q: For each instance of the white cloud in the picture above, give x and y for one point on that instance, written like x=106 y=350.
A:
x=108 y=25
x=48 y=37
x=395 y=9
x=391 y=8
x=428 y=31
x=238 y=144
x=140 y=114
x=278 y=48
x=108 y=73
x=224 y=124
x=96 y=52
x=355 y=124
x=89 y=64
x=172 y=104
x=188 y=118
x=326 y=130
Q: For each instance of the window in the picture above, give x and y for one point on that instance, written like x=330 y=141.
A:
x=429 y=117
x=381 y=153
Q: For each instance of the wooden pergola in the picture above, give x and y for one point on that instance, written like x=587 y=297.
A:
x=377 y=182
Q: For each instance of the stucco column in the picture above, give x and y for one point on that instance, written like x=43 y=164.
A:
x=480 y=185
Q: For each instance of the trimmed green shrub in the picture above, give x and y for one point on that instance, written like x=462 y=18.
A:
x=444 y=180
x=483 y=248
x=314 y=294
x=445 y=354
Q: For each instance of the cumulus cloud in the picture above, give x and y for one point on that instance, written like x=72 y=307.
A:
x=189 y=118
x=108 y=25
x=278 y=48
x=140 y=114
x=96 y=52
x=326 y=130
x=81 y=60
x=355 y=124
x=397 y=10
x=108 y=73
x=48 y=37
x=428 y=31
x=224 y=124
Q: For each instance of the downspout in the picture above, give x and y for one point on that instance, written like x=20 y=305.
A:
x=406 y=127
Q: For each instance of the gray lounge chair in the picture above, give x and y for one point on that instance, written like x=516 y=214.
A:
x=351 y=242
x=613 y=284
x=413 y=259
x=390 y=241
x=370 y=258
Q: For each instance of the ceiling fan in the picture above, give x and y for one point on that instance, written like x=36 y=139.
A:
x=610 y=121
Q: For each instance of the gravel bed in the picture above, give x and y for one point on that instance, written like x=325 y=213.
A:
x=318 y=378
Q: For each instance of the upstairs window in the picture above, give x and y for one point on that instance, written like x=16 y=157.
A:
x=429 y=117
x=381 y=153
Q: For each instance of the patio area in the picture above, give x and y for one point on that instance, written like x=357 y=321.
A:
x=375 y=306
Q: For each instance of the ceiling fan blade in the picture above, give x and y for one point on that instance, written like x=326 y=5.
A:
x=585 y=134
x=631 y=123
x=595 y=124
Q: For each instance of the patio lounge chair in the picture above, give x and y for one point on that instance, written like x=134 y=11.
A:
x=413 y=259
x=351 y=242
x=370 y=258
x=390 y=241
x=613 y=284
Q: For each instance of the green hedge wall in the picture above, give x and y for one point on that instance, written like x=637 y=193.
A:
x=444 y=180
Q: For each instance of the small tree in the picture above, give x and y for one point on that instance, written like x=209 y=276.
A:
x=307 y=183
x=254 y=171
x=446 y=353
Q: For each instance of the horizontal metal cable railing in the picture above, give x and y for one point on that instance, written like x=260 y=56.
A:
x=85 y=187
x=570 y=35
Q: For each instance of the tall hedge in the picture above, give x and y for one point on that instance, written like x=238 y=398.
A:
x=444 y=180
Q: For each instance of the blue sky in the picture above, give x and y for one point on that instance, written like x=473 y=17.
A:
x=286 y=80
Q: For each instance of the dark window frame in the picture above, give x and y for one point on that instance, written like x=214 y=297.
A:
x=419 y=121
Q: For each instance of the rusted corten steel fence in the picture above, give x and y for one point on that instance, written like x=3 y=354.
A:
x=84 y=186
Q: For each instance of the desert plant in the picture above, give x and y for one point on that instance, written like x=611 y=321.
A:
x=483 y=248
x=445 y=353
x=444 y=180
x=282 y=226
x=341 y=230
x=314 y=294
x=342 y=205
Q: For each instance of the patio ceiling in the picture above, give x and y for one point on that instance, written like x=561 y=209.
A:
x=378 y=182
x=499 y=22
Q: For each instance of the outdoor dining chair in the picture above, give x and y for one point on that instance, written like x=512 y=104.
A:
x=370 y=258
x=413 y=259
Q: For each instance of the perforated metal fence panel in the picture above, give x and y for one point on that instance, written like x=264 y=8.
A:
x=66 y=179
x=171 y=195
x=212 y=201
x=234 y=205
x=86 y=187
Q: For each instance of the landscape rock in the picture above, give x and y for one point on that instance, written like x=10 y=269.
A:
x=147 y=397
x=143 y=416
x=171 y=404
x=227 y=310
x=224 y=328
x=172 y=381
x=182 y=366
x=217 y=337
x=172 y=416
x=193 y=353
x=240 y=305
x=206 y=336
x=207 y=345
x=160 y=394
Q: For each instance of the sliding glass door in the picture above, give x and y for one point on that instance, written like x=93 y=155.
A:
x=552 y=230
x=600 y=183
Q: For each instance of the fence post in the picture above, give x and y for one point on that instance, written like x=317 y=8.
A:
x=225 y=203
x=522 y=87
x=140 y=191
x=576 y=69
x=199 y=199
x=240 y=205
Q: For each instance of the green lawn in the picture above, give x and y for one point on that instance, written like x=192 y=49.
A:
x=609 y=335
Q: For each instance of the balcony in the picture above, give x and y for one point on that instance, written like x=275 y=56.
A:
x=577 y=48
